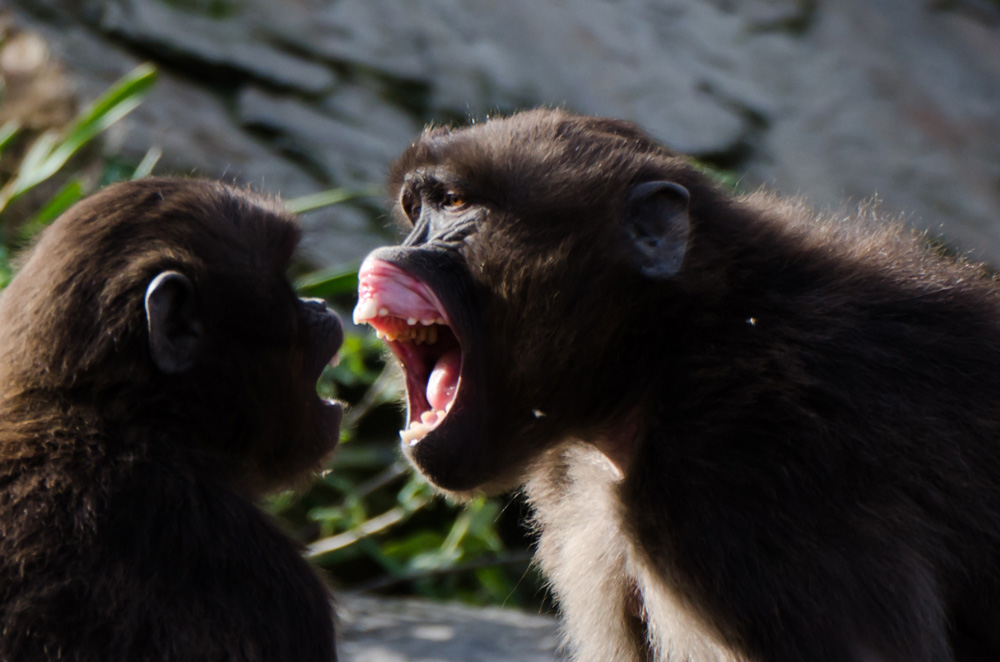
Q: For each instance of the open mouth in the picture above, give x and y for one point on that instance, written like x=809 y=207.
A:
x=408 y=316
x=326 y=335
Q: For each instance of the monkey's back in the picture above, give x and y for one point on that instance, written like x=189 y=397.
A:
x=833 y=416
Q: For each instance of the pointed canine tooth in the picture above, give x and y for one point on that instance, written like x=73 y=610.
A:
x=365 y=310
x=379 y=335
x=382 y=312
x=411 y=320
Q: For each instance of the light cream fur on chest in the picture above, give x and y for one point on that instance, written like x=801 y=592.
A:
x=592 y=564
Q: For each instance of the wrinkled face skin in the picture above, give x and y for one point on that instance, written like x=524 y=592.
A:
x=497 y=303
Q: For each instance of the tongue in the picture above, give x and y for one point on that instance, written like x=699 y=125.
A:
x=443 y=381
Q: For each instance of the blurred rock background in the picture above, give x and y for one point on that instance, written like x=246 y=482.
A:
x=837 y=102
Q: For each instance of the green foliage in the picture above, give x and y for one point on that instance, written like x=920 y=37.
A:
x=51 y=151
x=6 y=271
x=328 y=283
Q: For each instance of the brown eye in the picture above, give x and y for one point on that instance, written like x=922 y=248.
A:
x=409 y=200
x=452 y=201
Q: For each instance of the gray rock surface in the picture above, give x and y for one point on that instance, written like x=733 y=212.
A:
x=392 y=630
x=838 y=102
x=220 y=45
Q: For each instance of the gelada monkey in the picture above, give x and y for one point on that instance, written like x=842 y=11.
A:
x=157 y=374
x=747 y=432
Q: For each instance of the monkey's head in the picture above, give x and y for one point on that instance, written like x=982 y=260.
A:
x=160 y=309
x=539 y=248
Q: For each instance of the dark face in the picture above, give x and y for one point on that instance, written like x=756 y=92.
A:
x=292 y=427
x=319 y=336
x=264 y=351
x=517 y=284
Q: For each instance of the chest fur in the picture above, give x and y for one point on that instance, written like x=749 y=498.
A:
x=614 y=605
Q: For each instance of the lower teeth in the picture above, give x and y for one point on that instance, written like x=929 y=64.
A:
x=417 y=430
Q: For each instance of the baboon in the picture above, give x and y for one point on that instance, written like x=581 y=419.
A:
x=747 y=432
x=157 y=374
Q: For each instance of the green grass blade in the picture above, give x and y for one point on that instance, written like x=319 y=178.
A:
x=33 y=161
x=147 y=164
x=8 y=132
x=47 y=155
x=6 y=271
x=328 y=283
x=120 y=100
x=27 y=169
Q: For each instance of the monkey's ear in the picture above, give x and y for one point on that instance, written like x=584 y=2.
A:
x=174 y=322
x=656 y=224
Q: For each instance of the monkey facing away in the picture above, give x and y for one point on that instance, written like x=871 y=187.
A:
x=157 y=374
x=747 y=433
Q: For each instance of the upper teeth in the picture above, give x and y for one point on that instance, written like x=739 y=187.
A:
x=368 y=309
x=419 y=335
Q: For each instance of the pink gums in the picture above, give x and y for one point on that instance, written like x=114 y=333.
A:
x=400 y=293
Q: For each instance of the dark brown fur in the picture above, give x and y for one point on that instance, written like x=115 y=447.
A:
x=128 y=530
x=788 y=450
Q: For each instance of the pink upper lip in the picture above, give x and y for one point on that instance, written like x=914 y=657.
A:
x=395 y=291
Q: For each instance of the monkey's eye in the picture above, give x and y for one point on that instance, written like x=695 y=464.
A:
x=452 y=201
x=409 y=200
